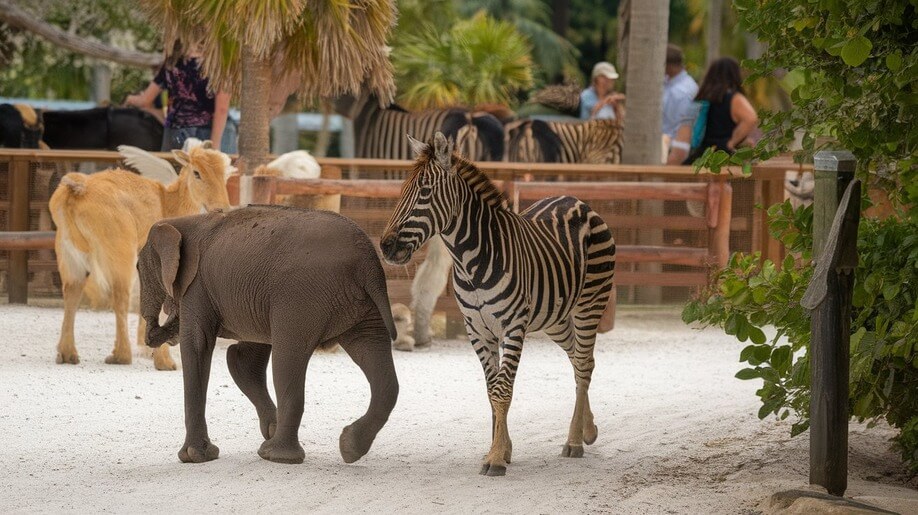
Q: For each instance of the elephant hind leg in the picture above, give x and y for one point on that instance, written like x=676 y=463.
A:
x=369 y=346
x=248 y=364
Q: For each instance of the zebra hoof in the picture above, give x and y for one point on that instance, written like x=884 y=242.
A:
x=572 y=451
x=590 y=436
x=493 y=470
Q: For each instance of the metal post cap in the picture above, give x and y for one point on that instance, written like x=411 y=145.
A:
x=834 y=161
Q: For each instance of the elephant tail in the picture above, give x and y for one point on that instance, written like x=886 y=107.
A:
x=380 y=297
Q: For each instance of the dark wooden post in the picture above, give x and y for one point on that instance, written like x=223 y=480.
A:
x=836 y=213
x=19 y=221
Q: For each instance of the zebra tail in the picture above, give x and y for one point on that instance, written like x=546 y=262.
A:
x=548 y=141
x=491 y=133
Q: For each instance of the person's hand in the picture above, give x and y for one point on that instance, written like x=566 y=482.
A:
x=132 y=100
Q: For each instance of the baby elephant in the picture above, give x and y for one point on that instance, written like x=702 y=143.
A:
x=282 y=281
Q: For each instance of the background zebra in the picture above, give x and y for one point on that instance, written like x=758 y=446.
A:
x=540 y=141
x=549 y=268
x=379 y=133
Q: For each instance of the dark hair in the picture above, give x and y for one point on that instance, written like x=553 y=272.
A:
x=723 y=77
x=673 y=55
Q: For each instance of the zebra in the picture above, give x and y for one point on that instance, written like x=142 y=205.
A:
x=379 y=134
x=547 y=269
x=540 y=141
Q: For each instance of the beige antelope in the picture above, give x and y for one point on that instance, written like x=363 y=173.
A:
x=102 y=222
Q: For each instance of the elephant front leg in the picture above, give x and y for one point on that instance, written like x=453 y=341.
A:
x=196 y=349
x=289 y=369
x=248 y=364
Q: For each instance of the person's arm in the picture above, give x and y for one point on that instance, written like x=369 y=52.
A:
x=144 y=100
x=613 y=100
x=680 y=146
x=221 y=110
x=744 y=116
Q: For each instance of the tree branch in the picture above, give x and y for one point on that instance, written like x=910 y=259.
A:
x=16 y=17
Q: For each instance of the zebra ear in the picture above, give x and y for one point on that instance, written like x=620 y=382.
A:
x=443 y=150
x=418 y=147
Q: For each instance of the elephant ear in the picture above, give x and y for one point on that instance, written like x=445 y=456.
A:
x=177 y=270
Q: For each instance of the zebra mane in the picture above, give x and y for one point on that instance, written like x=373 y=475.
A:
x=478 y=181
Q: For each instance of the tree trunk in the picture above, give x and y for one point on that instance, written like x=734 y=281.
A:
x=715 y=22
x=16 y=17
x=624 y=25
x=644 y=81
x=561 y=16
x=254 y=126
x=324 y=137
x=647 y=38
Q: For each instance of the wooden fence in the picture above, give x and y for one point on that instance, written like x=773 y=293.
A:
x=369 y=189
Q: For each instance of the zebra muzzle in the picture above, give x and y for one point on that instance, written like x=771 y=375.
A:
x=393 y=252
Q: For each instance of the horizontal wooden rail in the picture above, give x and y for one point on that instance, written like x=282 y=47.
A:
x=26 y=240
x=364 y=188
x=613 y=190
x=659 y=254
x=771 y=169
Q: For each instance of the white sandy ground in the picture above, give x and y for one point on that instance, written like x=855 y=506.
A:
x=677 y=433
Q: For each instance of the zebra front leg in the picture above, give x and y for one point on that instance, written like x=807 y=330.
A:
x=500 y=394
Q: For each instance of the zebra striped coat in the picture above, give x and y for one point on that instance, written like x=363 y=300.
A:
x=379 y=133
x=539 y=141
x=549 y=268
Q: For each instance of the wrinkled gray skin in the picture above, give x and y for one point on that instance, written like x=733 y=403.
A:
x=282 y=281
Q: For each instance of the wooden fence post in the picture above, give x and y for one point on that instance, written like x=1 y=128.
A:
x=19 y=221
x=836 y=213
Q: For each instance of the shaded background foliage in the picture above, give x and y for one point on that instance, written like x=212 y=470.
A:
x=34 y=68
x=853 y=79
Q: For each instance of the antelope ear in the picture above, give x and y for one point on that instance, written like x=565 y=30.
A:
x=443 y=150
x=182 y=157
x=418 y=147
x=178 y=271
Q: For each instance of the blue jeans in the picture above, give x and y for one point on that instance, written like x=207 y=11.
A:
x=174 y=137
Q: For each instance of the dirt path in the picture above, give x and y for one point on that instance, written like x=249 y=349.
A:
x=677 y=433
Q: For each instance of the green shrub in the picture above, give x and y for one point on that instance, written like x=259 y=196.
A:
x=750 y=294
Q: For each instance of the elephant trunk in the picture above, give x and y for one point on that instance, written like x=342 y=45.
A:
x=168 y=332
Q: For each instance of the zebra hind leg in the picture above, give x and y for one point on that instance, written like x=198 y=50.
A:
x=579 y=350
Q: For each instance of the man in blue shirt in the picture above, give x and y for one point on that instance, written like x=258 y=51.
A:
x=600 y=101
x=679 y=90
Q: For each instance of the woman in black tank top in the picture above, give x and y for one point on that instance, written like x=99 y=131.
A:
x=730 y=116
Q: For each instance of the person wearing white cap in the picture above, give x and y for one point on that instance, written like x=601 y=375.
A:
x=600 y=100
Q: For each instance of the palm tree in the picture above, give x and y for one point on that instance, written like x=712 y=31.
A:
x=477 y=61
x=271 y=48
x=647 y=34
x=551 y=51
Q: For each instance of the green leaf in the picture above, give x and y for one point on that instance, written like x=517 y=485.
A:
x=890 y=291
x=747 y=373
x=746 y=353
x=894 y=61
x=856 y=51
x=756 y=335
x=781 y=359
